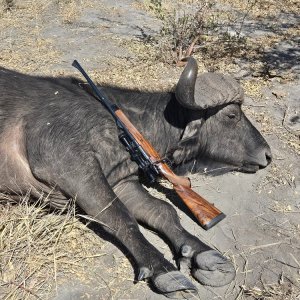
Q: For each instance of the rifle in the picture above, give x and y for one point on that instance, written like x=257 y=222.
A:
x=150 y=162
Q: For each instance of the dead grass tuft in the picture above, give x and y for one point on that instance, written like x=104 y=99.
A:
x=222 y=40
x=264 y=8
x=70 y=10
x=282 y=207
x=23 y=46
x=268 y=124
x=277 y=291
x=39 y=249
x=278 y=176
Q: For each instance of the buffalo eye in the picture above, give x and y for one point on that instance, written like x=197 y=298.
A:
x=231 y=116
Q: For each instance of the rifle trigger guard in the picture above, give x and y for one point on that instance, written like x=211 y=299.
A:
x=163 y=160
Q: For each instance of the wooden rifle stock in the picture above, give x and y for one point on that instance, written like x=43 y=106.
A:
x=205 y=212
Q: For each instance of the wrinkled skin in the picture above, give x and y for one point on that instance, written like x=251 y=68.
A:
x=56 y=138
x=215 y=148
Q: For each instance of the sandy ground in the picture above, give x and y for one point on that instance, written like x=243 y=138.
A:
x=261 y=231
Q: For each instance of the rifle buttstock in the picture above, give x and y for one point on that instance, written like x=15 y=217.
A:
x=205 y=212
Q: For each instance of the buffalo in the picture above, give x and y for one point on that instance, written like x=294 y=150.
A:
x=56 y=139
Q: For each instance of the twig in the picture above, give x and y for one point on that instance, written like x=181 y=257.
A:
x=191 y=47
x=294 y=258
x=254 y=105
x=20 y=286
x=266 y=245
x=286 y=264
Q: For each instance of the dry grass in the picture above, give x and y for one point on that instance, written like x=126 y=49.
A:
x=39 y=249
x=42 y=251
x=70 y=10
x=278 y=176
x=271 y=126
x=23 y=46
x=276 y=291
x=264 y=8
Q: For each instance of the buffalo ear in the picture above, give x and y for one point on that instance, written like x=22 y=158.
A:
x=188 y=146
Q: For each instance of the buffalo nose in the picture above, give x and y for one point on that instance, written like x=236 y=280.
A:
x=263 y=157
x=268 y=156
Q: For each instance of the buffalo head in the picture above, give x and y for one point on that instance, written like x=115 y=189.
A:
x=218 y=136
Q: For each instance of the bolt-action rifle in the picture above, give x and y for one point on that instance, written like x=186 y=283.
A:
x=150 y=162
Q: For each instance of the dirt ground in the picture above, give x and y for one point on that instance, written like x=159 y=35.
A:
x=261 y=233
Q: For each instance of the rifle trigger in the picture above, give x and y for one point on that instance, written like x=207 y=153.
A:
x=119 y=125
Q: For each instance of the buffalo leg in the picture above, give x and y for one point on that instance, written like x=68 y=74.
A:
x=94 y=195
x=208 y=266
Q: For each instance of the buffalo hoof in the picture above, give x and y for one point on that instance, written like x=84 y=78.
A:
x=213 y=269
x=174 y=285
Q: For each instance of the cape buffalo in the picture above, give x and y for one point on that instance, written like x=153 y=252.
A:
x=57 y=139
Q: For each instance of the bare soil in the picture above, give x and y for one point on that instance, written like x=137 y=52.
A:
x=261 y=231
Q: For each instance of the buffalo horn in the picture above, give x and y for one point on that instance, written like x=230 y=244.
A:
x=185 y=88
